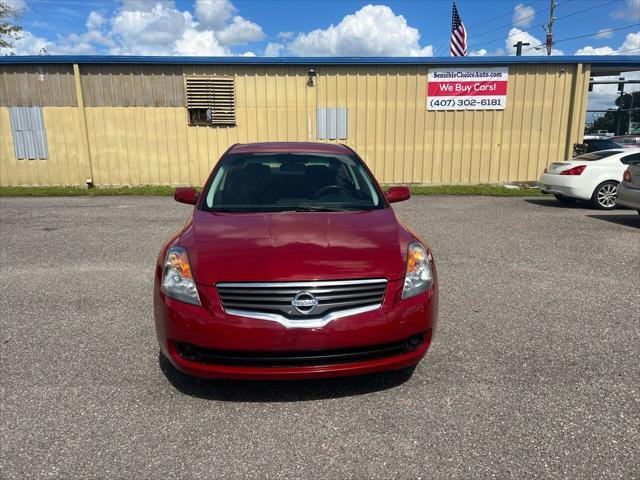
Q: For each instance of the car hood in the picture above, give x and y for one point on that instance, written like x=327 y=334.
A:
x=295 y=246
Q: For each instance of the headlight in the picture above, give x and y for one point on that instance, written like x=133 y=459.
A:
x=177 y=278
x=419 y=276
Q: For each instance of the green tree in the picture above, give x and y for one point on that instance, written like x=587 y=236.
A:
x=609 y=121
x=8 y=30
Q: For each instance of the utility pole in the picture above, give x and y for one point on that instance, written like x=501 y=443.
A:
x=519 y=46
x=619 y=112
x=549 y=27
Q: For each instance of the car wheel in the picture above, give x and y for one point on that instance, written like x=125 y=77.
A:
x=563 y=199
x=604 y=196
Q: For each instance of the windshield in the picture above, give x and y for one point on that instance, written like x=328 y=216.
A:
x=273 y=182
x=589 y=157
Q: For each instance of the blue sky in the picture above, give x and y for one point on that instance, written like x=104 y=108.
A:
x=304 y=27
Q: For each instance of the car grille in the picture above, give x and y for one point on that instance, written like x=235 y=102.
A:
x=312 y=299
x=198 y=354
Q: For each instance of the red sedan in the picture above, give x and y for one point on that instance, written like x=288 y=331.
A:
x=294 y=265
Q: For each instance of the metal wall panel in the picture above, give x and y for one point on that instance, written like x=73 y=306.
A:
x=332 y=123
x=29 y=134
x=124 y=85
x=389 y=125
x=37 y=85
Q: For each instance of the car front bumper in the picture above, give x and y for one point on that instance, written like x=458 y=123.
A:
x=210 y=328
x=628 y=196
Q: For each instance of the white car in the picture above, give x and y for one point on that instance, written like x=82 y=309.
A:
x=593 y=177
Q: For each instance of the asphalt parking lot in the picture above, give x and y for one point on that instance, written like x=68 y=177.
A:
x=533 y=373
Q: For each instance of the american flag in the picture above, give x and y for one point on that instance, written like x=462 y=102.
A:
x=458 y=34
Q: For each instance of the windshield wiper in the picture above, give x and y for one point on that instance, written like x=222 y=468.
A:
x=311 y=208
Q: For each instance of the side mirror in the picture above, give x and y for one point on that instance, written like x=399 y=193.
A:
x=186 y=195
x=398 y=194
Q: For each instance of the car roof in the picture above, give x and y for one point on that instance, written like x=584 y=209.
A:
x=596 y=137
x=618 y=151
x=290 y=147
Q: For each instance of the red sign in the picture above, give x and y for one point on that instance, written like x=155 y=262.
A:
x=463 y=89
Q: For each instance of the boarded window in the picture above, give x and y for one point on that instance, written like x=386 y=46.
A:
x=211 y=100
x=332 y=123
x=29 y=134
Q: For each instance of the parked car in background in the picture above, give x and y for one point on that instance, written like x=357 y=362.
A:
x=294 y=265
x=594 y=143
x=628 y=141
x=604 y=133
x=593 y=177
x=629 y=188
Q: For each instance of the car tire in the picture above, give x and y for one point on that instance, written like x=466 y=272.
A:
x=604 y=196
x=563 y=199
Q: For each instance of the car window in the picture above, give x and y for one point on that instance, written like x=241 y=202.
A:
x=627 y=141
x=632 y=159
x=595 y=145
x=271 y=182
x=590 y=157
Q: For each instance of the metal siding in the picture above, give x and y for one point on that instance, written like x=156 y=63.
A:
x=390 y=127
x=36 y=85
x=332 y=123
x=129 y=85
x=29 y=134
x=63 y=167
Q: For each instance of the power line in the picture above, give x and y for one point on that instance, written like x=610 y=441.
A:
x=511 y=23
x=595 y=33
x=586 y=35
x=544 y=23
x=587 y=9
x=622 y=51
x=510 y=12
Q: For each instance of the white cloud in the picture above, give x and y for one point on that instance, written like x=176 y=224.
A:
x=153 y=27
x=240 y=30
x=214 y=13
x=16 y=6
x=589 y=50
x=535 y=47
x=523 y=15
x=630 y=46
x=604 y=33
x=285 y=35
x=374 y=30
x=630 y=11
x=273 y=49
x=479 y=53
x=29 y=44
x=149 y=32
x=95 y=21
x=194 y=43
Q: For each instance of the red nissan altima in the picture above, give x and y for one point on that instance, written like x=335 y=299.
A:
x=293 y=265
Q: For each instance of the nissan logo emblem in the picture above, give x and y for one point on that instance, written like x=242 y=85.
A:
x=304 y=302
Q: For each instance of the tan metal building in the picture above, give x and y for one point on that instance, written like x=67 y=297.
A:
x=115 y=121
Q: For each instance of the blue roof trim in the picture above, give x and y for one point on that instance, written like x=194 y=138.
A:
x=609 y=60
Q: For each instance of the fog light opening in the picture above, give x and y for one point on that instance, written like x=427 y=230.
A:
x=414 y=342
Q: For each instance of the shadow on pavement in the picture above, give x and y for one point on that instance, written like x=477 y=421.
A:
x=280 y=391
x=552 y=202
x=628 y=219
